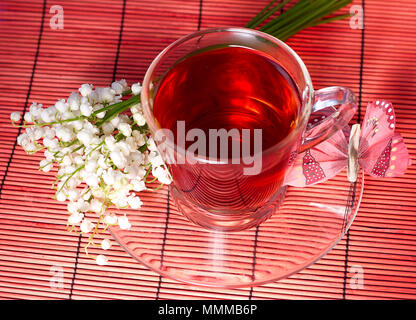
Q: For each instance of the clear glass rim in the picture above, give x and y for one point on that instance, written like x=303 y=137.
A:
x=306 y=101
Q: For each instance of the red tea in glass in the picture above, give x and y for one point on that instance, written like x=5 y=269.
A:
x=235 y=79
x=230 y=88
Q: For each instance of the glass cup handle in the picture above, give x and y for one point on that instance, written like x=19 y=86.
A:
x=333 y=108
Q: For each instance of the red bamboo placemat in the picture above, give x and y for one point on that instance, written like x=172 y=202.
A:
x=106 y=40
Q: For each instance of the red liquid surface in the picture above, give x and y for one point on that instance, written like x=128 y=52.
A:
x=230 y=88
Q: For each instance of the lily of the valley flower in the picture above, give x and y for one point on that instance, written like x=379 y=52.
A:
x=124 y=223
x=101 y=260
x=105 y=244
x=99 y=163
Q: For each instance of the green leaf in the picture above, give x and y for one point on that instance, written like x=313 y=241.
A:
x=303 y=14
x=118 y=108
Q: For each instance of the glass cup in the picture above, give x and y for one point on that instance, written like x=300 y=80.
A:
x=219 y=194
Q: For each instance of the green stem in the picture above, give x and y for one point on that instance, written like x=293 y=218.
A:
x=50 y=162
x=287 y=16
x=147 y=172
x=118 y=109
x=303 y=14
x=306 y=14
x=78 y=148
x=158 y=187
x=316 y=13
x=98 y=145
x=68 y=144
x=126 y=93
x=266 y=16
x=113 y=109
x=261 y=16
x=150 y=181
x=42 y=124
x=72 y=174
x=110 y=106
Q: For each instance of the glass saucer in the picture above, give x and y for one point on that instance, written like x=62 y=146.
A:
x=309 y=223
